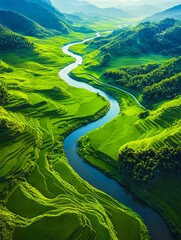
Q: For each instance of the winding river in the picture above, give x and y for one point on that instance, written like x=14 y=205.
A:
x=157 y=227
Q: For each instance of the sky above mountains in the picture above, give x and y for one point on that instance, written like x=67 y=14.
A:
x=159 y=3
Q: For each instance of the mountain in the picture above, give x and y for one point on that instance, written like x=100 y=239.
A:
x=174 y=12
x=74 y=6
x=141 y=10
x=162 y=4
x=159 y=38
x=11 y=40
x=23 y=25
x=40 y=11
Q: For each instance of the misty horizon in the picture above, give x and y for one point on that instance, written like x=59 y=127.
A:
x=124 y=3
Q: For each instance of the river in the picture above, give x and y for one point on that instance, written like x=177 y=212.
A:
x=157 y=227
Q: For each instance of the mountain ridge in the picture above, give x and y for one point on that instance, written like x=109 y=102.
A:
x=174 y=12
x=73 y=6
x=38 y=13
x=21 y=24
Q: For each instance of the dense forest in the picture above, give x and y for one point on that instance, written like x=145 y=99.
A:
x=155 y=81
x=160 y=38
x=144 y=166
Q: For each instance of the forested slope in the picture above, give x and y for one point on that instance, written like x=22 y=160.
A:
x=20 y=24
x=10 y=40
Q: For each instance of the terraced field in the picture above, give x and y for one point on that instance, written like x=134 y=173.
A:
x=41 y=197
x=101 y=147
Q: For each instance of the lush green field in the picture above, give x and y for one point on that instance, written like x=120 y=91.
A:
x=162 y=128
x=41 y=196
x=106 y=24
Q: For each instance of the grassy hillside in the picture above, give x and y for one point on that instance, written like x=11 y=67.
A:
x=142 y=131
x=20 y=24
x=11 y=40
x=40 y=194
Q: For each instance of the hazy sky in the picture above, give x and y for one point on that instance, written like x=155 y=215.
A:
x=106 y=3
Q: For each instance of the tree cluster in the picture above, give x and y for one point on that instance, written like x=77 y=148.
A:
x=156 y=82
x=144 y=166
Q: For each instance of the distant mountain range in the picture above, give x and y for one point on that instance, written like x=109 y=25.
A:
x=174 y=12
x=74 y=6
x=141 y=10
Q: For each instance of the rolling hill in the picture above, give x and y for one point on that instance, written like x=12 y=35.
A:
x=174 y=12
x=11 y=40
x=20 y=24
x=38 y=12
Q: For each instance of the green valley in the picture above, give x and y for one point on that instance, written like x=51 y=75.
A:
x=38 y=111
x=136 y=65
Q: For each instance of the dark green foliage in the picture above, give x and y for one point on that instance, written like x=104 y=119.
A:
x=105 y=59
x=166 y=89
x=11 y=40
x=161 y=38
x=4 y=96
x=144 y=114
x=20 y=24
x=144 y=166
x=156 y=82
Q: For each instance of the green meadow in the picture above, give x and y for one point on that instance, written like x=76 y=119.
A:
x=101 y=147
x=41 y=196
